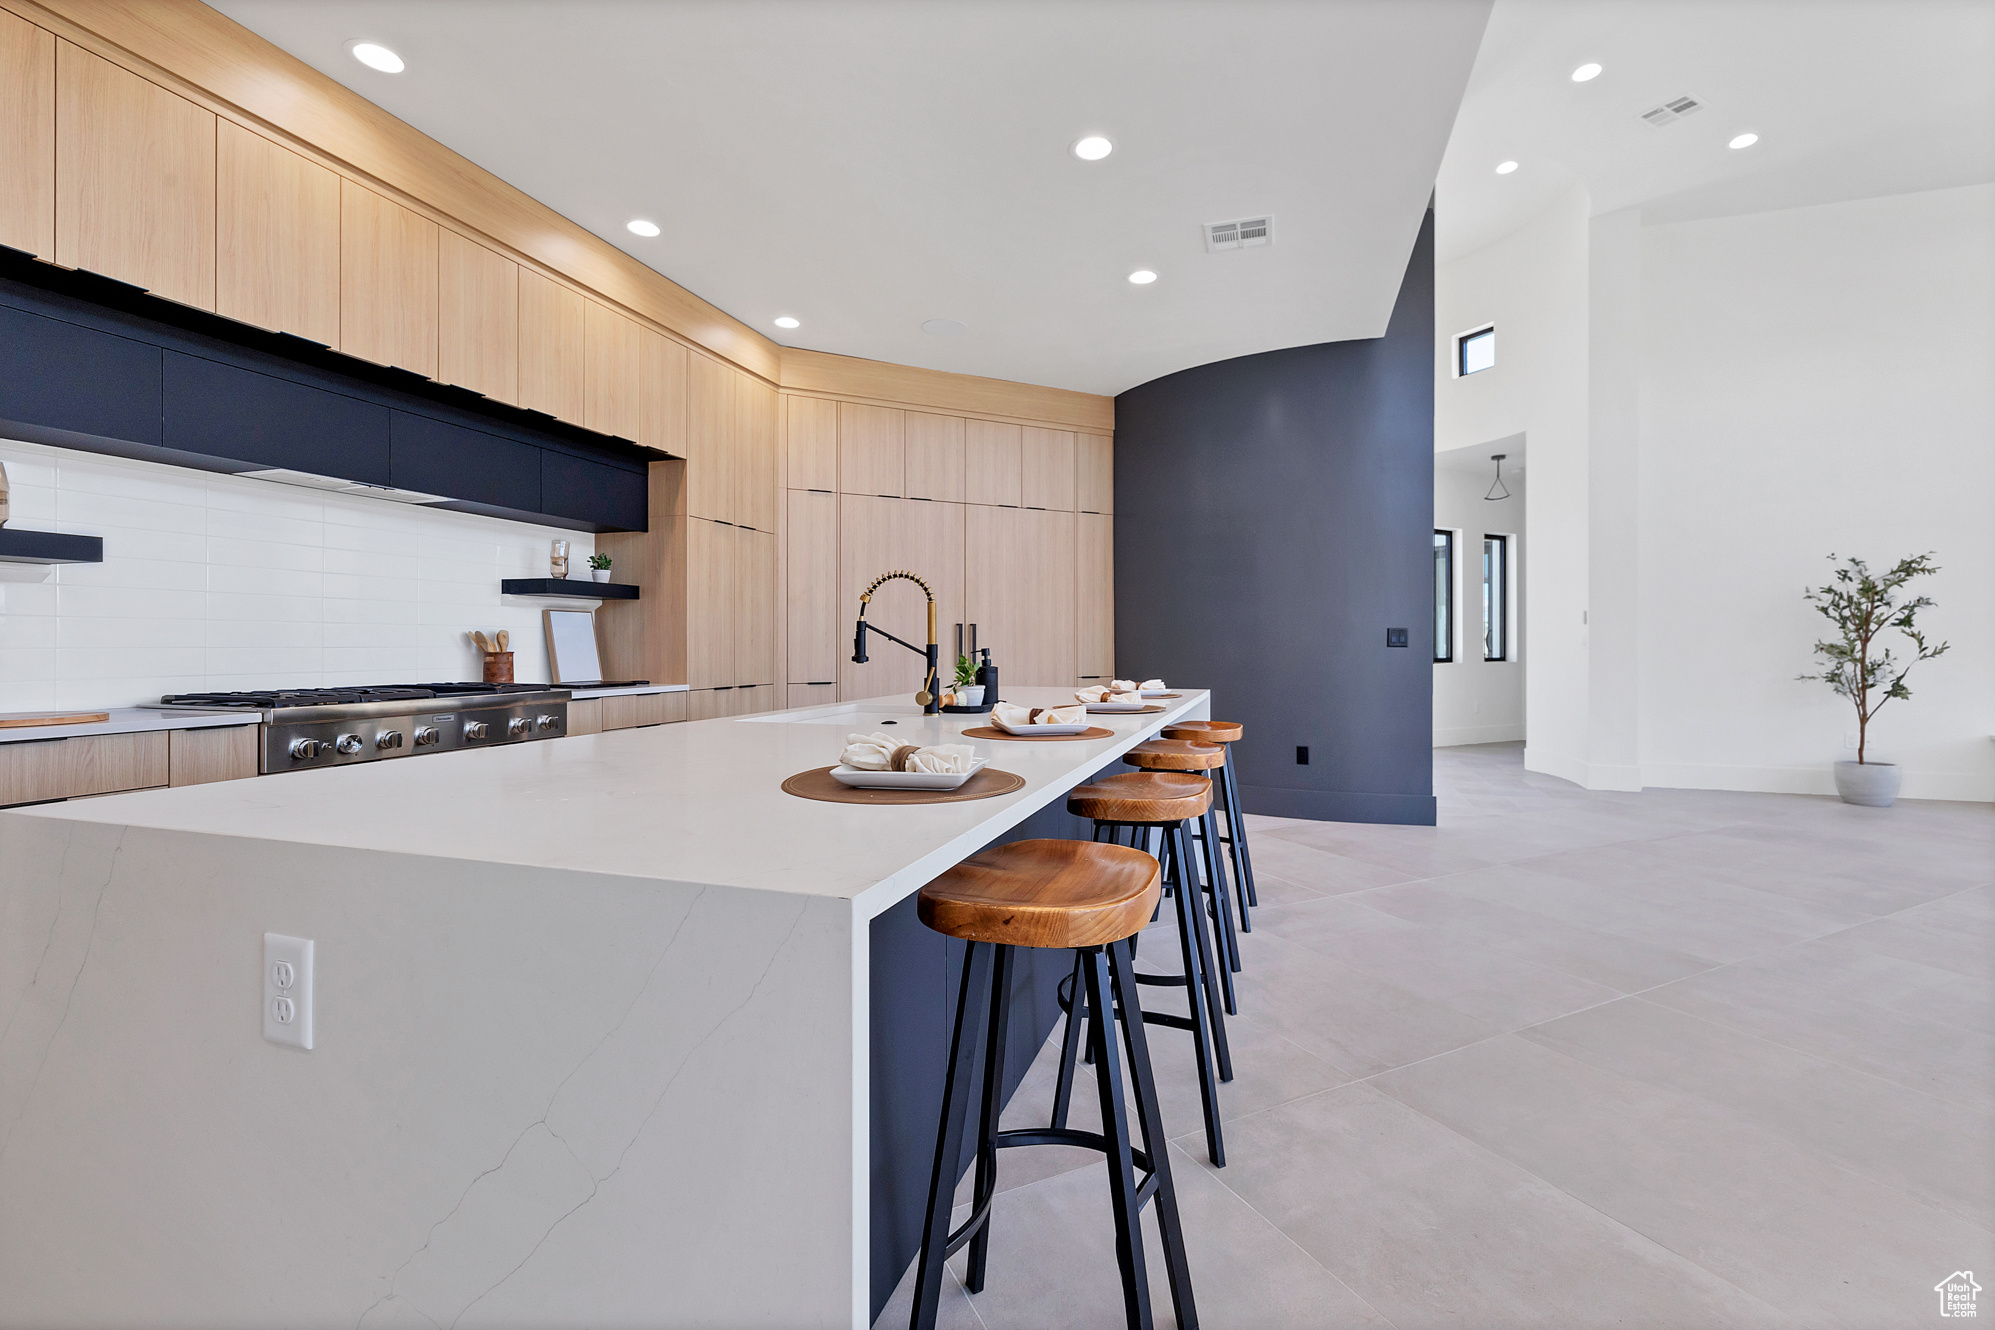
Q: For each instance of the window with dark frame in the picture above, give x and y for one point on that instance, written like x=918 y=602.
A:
x=1496 y=597
x=1475 y=351
x=1444 y=596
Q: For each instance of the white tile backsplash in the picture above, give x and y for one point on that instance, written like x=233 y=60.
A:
x=214 y=582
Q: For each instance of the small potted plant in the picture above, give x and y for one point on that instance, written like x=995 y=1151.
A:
x=1863 y=608
x=969 y=693
x=599 y=567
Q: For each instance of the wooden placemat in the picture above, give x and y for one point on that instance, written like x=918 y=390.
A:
x=993 y=732
x=818 y=784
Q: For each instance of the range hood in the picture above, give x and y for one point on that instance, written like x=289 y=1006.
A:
x=307 y=480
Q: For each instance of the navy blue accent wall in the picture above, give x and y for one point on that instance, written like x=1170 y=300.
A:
x=1273 y=518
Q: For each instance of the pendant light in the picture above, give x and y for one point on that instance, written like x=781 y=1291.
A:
x=1497 y=491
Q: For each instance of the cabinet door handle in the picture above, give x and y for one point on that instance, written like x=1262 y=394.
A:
x=973 y=639
x=959 y=639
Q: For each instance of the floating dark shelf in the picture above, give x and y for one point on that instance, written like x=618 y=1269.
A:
x=18 y=546
x=567 y=586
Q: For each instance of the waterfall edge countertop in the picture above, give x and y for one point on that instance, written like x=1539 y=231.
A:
x=698 y=803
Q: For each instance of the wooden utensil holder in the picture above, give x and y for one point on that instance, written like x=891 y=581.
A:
x=498 y=667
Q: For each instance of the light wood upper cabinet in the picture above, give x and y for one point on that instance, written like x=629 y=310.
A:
x=553 y=339
x=276 y=237
x=710 y=446
x=879 y=535
x=1095 y=595
x=387 y=281
x=478 y=318
x=1095 y=474
x=1019 y=591
x=611 y=358
x=993 y=463
x=934 y=457
x=811 y=441
x=872 y=450
x=135 y=180
x=755 y=452
x=1048 y=481
x=815 y=613
x=27 y=137
x=661 y=393
x=755 y=626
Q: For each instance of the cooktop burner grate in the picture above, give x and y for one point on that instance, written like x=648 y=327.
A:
x=334 y=697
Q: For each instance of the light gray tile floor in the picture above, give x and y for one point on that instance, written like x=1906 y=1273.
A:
x=1571 y=1058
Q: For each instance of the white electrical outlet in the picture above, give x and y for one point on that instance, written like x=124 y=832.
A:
x=287 y=990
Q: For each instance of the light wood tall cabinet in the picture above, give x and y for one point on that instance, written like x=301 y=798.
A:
x=277 y=218
x=135 y=180
x=934 y=457
x=1047 y=457
x=611 y=356
x=1019 y=590
x=872 y=450
x=1094 y=594
x=878 y=535
x=661 y=393
x=27 y=137
x=993 y=463
x=757 y=454
x=810 y=441
x=813 y=612
x=1094 y=490
x=552 y=347
x=478 y=318
x=387 y=281
x=710 y=419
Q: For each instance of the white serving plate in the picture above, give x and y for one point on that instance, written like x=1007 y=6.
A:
x=904 y=780
x=1076 y=728
x=1158 y=692
x=1106 y=707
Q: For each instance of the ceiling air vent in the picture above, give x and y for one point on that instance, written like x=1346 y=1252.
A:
x=1672 y=111
x=1241 y=233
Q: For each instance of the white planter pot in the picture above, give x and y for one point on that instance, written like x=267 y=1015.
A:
x=599 y=574
x=970 y=697
x=1871 y=784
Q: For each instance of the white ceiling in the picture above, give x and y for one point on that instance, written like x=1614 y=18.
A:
x=867 y=165
x=1475 y=457
x=1850 y=98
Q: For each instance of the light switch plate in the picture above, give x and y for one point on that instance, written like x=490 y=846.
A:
x=287 y=990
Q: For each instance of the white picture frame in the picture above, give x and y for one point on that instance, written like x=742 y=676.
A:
x=573 y=654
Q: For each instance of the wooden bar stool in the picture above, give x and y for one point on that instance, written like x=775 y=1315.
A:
x=1050 y=893
x=1140 y=802
x=1227 y=732
x=1201 y=759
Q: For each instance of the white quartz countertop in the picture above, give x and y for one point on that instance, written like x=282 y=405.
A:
x=696 y=803
x=581 y=694
x=129 y=720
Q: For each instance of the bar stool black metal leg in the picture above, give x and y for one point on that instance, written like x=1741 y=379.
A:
x=1236 y=835
x=987 y=1122
x=1070 y=1046
x=1122 y=1186
x=1196 y=991
x=1202 y=942
x=964 y=1055
x=1222 y=909
x=1122 y=971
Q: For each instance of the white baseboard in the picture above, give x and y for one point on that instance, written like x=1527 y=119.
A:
x=1586 y=775
x=1963 y=786
x=1455 y=736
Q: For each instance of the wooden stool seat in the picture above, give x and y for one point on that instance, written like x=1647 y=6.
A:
x=1044 y=893
x=1175 y=755
x=1206 y=731
x=1142 y=796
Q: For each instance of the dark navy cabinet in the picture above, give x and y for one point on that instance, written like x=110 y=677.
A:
x=243 y=416
x=481 y=469
x=574 y=487
x=60 y=377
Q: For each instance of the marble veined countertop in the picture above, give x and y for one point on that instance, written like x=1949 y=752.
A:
x=697 y=803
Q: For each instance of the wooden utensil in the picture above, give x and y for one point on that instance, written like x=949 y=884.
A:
x=505 y=638
x=15 y=720
x=479 y=640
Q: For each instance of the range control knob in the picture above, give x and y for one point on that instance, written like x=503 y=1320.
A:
x=348 y=743
x=388 y=739
x=304 y=750
x=426 y=735
x=474 y=729
x=548 y=722
x=517 y=727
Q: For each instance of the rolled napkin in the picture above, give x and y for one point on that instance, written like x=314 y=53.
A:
x=1108 y=695
x=883 y=752
x=1153 y=686
x=1124 y=685
x=1024 y=718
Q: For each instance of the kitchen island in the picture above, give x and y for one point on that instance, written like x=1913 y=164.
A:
x=595 y=1031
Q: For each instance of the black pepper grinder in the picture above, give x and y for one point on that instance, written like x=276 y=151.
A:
x=987 y=679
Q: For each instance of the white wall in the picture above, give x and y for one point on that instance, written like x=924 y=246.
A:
x=1712 y=407
x=214 y=582
x=1478 y=701
x=1815 y=380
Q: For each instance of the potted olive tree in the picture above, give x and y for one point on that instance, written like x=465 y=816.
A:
x=1859 y=667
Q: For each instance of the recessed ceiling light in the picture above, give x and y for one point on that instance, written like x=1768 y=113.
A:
x=376 y=56
x=640 y=227
x=946 y=327
x=1093 y=148
x=1589 y=70
x=1505 y=168
x=1142 y=277
x=787 y=322
x=1743 y=141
